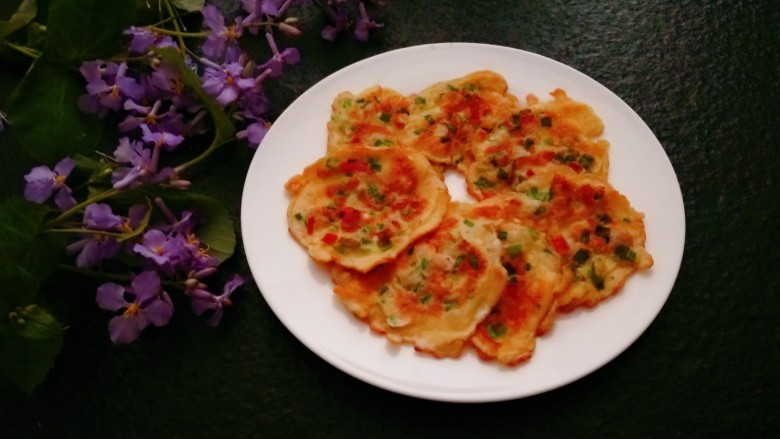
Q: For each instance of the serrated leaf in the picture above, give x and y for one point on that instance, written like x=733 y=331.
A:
x=20 y=221
x=43 y=112
x=80 y=30
x=222 y=124
x=27 y=256
x=189 y=5
x=24 y=14
x=30 y=343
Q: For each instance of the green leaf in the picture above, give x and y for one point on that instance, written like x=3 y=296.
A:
x=20 y=287
x=20 y=221
x=224 y=127
x=30 y=340
x=189 y=5
x=23 y=15
x=43 y=112
x=26 y=256
x=80 y=30
x=36 y=35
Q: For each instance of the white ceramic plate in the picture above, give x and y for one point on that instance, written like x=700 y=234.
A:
x=299 y=291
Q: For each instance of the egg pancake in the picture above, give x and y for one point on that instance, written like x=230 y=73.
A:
x=374 y=117
x=362 y=206
x=560 y=133
x=592 y=226
x=444 y=117
x=435 y=293
x=526 y=307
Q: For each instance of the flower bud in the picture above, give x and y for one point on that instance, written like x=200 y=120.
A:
x=289 y=30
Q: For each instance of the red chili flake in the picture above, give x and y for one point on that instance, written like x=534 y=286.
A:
x=575 y=167
x=530 y=173
x=560 y=245
x=350 y=219
x=310 y=225
x=330 y=238
x=353 y=166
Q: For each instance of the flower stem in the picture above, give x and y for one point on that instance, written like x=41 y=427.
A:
x=125 y=278
x=176 y=33
x=99 y=197
x=215 y=144
x=24 y=50
x=95 y=274
x=84 y=231
x=182 y=46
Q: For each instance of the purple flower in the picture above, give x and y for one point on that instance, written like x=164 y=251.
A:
x=364 y=24
x=150 y=304
x=142 y=166
x=142 y=39
x=222 y=38
x=99 y=216
x=168 y=140
x=288 y=56
x=42 y=182
x=107 y=87
x=202 y=300
x=254 y=133
x=169 y=121
x=161 y=248
x=225 y=83
x=95 y=247
x=340 y=21
x=167 y=82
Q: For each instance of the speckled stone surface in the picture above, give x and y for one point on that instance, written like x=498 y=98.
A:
x=703 y=75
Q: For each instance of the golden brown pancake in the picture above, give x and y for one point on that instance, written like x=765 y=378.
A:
x=556 y=134
x=375 y=117
x=444 y=117
x=362 y=206
x=434 y=294
x=592 y=226
x=526 y=307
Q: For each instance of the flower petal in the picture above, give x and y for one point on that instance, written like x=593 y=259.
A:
x=160 y=311
x=64 y=200
x=65 y=166
x=110 y=296
x=146 y=285
x=123 y=329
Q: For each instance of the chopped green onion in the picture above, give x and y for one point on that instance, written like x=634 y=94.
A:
x=581 y=256
x=473 y=261
x=383 y=142
x=514 y=250
x=598 y=281
x=502 y=234
x=483 y=183
x=585 y=160
x=625 y=253
x=419 y=100
x=538 y=195
x=468 y=222
x=374 y=163
x=385 y=117
x=496 y=330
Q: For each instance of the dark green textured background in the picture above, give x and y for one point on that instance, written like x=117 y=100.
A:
x=703 y=75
